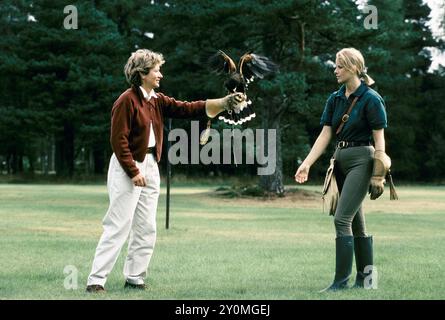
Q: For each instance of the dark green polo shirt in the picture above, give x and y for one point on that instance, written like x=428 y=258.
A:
x=368 y=113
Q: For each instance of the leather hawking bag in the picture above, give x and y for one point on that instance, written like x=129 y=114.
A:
x=330 y=192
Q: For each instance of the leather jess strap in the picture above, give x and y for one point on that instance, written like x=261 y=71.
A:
x=345 y=116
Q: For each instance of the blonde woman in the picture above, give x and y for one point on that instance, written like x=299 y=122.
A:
x=354 y=156
x=133 y=175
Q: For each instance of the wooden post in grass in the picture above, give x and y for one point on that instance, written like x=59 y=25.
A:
x=167 y=215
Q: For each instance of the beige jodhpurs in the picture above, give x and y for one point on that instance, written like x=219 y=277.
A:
x=132 y=212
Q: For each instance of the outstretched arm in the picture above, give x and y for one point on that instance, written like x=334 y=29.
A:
x=211 y=107
x=230 y=102
x=317 y=150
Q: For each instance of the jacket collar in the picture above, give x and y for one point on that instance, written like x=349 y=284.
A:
x=143 y=95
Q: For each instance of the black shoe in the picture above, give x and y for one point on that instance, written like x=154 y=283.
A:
x=129 y=285
x=344 y=253
x=363 y=260
x=95 y=288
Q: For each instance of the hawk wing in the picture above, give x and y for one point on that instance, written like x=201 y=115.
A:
x=220 y=62
x=253 y=65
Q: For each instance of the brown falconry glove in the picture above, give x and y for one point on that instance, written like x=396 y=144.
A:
x=236 y=102
x=232 y=102
x=382 y=164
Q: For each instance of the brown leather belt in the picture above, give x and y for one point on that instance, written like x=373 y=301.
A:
x=151 y=150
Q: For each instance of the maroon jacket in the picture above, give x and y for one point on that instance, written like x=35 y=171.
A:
x=130 y=124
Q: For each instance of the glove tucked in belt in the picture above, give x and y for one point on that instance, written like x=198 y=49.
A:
x=382 y=165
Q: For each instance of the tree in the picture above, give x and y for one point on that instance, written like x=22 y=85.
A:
x=400 y=63
x=74 y=76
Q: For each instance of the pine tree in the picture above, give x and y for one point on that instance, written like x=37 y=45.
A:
x=75 y=73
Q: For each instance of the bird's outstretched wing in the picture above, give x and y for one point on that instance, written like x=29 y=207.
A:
x=250 y=66
x=220 y=62
x=253 y=65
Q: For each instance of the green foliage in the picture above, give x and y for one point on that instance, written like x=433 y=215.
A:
x=64 y=81
x=60 y=84
x=400 y=65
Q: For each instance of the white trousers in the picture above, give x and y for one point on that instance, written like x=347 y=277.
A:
x=132 y=212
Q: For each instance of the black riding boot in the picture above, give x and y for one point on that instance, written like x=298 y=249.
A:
x=363 y=260
x=344 y=252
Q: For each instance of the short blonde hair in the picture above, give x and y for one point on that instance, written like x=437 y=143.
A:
x=141 y=60
x=353 y=61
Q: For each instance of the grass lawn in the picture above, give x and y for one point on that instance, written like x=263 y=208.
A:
x=220 y=248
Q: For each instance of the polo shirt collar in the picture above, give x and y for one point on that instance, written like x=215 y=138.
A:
x=357 y=93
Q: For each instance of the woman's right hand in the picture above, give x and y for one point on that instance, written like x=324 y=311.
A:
x=139 y=180
x=302 y=173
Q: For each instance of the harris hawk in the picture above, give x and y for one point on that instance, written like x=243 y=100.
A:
x=250 y=67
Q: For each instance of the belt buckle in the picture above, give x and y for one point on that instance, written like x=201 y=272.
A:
x=342 y=144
